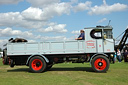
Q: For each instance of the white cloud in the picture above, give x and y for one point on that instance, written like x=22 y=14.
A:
x=82 y=6
x=34 y=17
x=15 y=19
x=53 y=27
x=38 y=17
x=102 y=20
x=56 y=10
x=3 y=42
x=106 y=9
x=74 y=1
x=41 y=3
x=47 y=12
x=12 y=19
x=75 y=32
x=9 y=19
x=32 y=14
x=28 y=20
x=104 y=2
x=9 y=1
x=9 y=32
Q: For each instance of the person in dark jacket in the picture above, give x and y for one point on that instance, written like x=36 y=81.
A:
x=81 y=36
x=126 y=56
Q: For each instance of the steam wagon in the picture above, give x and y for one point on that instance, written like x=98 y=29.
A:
x=41 y=56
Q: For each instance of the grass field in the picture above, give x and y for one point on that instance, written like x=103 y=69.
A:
x=65 y=74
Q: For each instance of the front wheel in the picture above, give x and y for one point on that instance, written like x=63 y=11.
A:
x=100 y=63
x=37 y=64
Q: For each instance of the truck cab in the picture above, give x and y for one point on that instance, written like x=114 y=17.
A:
x=99 y=39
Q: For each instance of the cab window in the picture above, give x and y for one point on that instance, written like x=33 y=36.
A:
x=96 y=33
x=108 y=33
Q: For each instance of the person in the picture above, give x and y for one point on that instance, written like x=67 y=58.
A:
x=118 y=55
x=81 y=36
x=125 y=55
x=115 y=56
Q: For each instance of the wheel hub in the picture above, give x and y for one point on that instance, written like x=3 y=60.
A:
x=38 y=64
x=100 y=64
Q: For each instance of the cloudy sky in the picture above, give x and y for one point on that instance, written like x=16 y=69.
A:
x=44 y=20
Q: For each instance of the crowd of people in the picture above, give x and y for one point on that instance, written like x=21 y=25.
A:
x=118 y=56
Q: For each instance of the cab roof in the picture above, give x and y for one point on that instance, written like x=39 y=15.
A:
x=100 y=27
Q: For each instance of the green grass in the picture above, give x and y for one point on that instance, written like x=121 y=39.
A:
x=65 y=74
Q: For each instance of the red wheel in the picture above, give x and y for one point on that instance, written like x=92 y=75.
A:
x=100 y=63
x=5 y=61
x=37 y=64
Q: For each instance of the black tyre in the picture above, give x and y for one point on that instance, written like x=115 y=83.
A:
x=37 y=64
x=100 y=63
x=11 y=63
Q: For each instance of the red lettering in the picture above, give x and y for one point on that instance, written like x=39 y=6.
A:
x=90 y=44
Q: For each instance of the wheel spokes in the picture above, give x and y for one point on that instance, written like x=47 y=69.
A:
x=100 y=64
x=37 y=64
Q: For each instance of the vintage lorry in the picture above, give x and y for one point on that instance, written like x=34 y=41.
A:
x=41 y=56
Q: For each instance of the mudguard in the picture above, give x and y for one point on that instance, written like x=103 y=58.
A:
x=47 y=61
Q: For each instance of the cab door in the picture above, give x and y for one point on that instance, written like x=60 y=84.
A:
x=97 y=35
x=99 y=45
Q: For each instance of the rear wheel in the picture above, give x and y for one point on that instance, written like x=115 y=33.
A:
x=37 y=64
x=100 y=63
